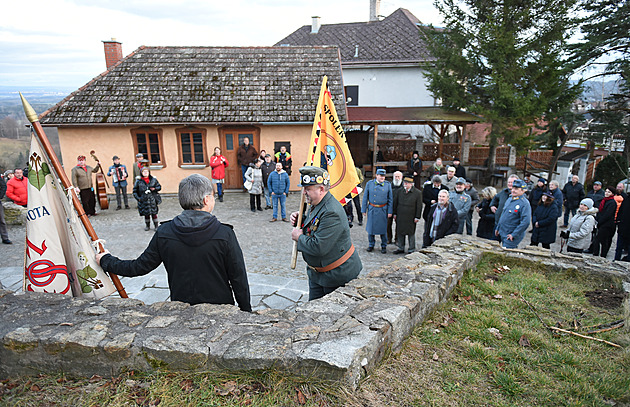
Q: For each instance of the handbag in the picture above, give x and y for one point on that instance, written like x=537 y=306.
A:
x=248 y=185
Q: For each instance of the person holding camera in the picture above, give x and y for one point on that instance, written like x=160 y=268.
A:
x=578 y=234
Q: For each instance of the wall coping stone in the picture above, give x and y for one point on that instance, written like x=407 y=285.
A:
x=339 y=337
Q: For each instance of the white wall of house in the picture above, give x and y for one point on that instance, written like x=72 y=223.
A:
x=391 y=87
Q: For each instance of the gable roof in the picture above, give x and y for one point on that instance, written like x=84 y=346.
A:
x=394 y=39
x=171 y=85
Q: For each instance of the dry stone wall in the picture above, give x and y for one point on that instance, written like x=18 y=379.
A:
x=339 y=337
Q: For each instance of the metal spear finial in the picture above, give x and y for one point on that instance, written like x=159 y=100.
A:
x=28 y=110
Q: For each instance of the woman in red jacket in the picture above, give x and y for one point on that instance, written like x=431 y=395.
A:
x=218 y=164
x=17 y=188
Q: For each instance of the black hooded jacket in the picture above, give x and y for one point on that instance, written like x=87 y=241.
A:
x=202 y=257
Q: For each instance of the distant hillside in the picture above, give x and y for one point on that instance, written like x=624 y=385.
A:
x=41 y=98
x=596 y=90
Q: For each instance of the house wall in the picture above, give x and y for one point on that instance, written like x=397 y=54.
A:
x=110 y=141
x=392 y=87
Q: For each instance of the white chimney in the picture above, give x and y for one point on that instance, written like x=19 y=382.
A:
x=315 y=26
x=375 y=9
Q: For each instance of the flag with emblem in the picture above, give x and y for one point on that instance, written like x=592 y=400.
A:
x=59 y=257
x=329 y=148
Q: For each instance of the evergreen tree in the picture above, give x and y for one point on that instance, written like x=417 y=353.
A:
x=606 y=43
x=611 y=170
x=504 y=60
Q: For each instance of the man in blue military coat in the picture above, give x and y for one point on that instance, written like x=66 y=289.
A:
x=378 y=202
x=324 y=236
x=515 y=218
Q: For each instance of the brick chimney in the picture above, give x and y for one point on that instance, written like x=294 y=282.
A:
x=375 y=10
x=113 y=52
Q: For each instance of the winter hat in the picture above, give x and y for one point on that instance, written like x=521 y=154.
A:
x=588 y=202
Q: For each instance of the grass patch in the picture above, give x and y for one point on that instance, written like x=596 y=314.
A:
x=485 y=346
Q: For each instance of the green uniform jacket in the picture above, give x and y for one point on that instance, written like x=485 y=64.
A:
x=326 y=238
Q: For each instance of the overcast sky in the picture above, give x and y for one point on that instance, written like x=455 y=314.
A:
x=58 y=43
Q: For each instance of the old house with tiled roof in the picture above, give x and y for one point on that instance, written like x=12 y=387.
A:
x=383 y=61
x=176 y=104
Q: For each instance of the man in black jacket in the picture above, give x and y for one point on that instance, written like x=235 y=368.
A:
x=201 y=255
x=442 y=220
x=573 y=193
x=430 y=193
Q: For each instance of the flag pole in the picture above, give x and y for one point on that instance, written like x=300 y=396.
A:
x=41 y=135
x=310 y=160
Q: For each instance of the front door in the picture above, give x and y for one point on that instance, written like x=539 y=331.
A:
x=231 y=138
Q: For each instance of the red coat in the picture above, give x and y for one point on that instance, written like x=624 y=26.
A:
x=218 y=164
x=17 y=190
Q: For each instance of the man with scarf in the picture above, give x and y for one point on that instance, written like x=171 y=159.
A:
x=442 y=220
x=82 y=180
x=119 y=175
x=377 y=206
x=202 y=256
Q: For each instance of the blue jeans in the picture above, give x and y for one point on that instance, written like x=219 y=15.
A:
x=372 y=241
x=279 y=199
x=267 y=196
x=566 y=214
x=244 y=170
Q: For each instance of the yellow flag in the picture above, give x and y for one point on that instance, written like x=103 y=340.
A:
x=328 y=142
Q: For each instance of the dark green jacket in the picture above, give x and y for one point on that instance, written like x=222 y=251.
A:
x=326 y=238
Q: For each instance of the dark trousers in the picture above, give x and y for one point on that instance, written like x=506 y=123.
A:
x=574 y=250
x=254 y=201
x=602 y=241
x=544 y=245
x=348 y=209
x=469 y=226
x=316 y=291
x=566 y=214
x=88 y=201
x=121 y=191
x=622 y=244
x=3 y=225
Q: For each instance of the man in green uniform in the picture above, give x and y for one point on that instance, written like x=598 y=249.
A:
x=324 y=236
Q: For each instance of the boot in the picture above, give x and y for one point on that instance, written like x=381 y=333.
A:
x=147 y=225
x=156 y=223
x=221 y=198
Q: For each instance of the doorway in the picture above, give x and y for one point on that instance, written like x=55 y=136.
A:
x=230 y=139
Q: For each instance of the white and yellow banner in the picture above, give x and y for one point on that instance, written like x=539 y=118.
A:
x=59 y=256
x=328 y=141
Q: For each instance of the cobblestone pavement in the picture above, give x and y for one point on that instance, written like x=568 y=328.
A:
x=266 y=247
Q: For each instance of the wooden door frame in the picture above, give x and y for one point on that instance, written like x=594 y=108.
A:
x=255 y=131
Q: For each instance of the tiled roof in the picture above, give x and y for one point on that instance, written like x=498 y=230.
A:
x=393 y=39
x=206 y=85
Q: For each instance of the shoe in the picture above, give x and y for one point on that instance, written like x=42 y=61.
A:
x=350 y=224
x=147 y=227
x=260 y=209
x=268 y=207
x=564 y=226
x=285 y=219
x=370 y=249
x=254 y=210
x=127 y=207
x=118 y=208
x=273 y=220
x=221 y=198
x=410 y=251
x=531 y=231
x=6 y=241
x=383 y=250
x=360 y=223
x=398 y=251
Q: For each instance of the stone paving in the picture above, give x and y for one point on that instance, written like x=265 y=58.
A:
x=266 y=248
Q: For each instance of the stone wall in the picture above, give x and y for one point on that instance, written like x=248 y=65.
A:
x=339 y=337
